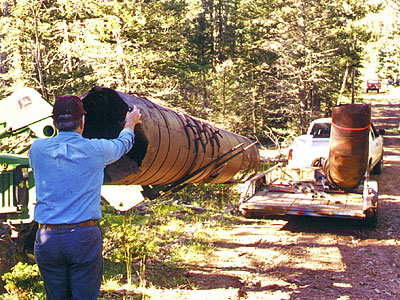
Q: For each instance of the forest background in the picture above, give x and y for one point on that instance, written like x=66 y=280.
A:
x=254 y=67
x=260 y=68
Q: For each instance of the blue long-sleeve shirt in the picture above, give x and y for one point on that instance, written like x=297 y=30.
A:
x=69 y=171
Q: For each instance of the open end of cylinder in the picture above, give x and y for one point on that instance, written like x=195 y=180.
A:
x=105 y=117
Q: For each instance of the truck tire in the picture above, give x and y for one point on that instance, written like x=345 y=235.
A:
x=377 y=169
x=7 y=252
x=247 y=214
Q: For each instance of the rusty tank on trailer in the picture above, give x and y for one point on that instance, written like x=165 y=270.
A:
x=169 y=146
x=349 y=145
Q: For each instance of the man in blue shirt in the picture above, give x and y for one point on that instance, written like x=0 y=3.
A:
x=68 y=171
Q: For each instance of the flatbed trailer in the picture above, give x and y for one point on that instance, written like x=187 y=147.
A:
x=305 y=191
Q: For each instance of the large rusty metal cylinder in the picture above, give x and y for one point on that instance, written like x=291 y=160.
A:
x=349 y=145
x=169 y=146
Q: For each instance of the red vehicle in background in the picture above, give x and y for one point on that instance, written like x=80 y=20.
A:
x=373 y=85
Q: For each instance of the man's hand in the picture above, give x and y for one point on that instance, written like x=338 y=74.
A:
x=132 y=118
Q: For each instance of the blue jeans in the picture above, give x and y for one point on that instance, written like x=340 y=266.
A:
x=70 y=262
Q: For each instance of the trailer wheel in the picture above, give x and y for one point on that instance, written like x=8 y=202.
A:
x=371 y=221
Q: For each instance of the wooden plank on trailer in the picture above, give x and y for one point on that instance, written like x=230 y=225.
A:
x=333 y=202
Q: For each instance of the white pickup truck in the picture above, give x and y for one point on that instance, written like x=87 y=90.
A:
x=307 y=150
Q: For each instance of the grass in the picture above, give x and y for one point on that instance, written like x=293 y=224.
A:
x=152 y=248
x=156 y=247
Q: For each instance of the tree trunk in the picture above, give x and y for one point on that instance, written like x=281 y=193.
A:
x=37 y=54
x=121 y=54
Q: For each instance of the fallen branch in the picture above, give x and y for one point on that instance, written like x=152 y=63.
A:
x=201 y=208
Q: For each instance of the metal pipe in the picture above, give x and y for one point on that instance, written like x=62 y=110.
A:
x=168 y=145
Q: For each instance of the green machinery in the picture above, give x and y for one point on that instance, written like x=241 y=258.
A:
x=24 y=116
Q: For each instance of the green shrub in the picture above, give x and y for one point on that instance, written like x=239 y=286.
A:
x=23 y=282
x=124 y=240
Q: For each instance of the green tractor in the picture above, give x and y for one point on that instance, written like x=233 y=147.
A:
x=25 y=116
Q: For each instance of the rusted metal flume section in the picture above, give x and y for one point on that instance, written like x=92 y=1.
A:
x=170 y=147
x=348 y=148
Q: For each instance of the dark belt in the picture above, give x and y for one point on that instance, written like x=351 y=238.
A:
x=68 y=226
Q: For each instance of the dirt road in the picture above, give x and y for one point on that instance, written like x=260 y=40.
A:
x=312 y=258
